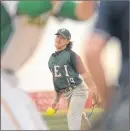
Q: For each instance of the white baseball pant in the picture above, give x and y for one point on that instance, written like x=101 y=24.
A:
x=76 y=99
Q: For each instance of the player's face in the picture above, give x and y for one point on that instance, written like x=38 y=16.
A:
x=60 y=42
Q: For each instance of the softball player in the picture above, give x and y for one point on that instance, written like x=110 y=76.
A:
x=66 y=66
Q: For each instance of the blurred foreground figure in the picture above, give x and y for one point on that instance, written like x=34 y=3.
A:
x=113 y=21
x=20 y=35
x=18 y=112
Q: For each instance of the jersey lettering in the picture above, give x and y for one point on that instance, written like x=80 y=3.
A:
x=72 y=80
x=68 y=81
x=66 y=71
x=58 y=74
x=56 y=71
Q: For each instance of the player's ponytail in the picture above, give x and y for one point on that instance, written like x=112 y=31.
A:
x=69 y=45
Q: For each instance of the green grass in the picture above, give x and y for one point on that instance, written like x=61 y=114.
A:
x=59 y=121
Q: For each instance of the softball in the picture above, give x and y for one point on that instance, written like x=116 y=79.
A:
x=50 y=111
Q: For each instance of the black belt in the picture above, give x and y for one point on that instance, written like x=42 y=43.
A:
x=65 y=90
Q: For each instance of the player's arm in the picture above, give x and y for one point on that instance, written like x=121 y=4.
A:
x=56 y=100
x=85 y=9
x=79 y=67
x=76 y=10
x=57 y=97
x=96 y=45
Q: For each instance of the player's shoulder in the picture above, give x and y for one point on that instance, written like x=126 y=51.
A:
x=73 y=55
x=69 y=51
x=73 y=52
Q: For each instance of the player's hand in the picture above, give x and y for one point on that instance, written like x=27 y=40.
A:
x=92 y=91
x=95 y=96
x=55 y=106
x=95 y=99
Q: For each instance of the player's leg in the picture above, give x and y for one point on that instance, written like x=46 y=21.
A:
x=8 y=121
x=76 y=106
x=18 y=107
x=85 y=122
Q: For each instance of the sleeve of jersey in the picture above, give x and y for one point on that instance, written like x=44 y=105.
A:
x=67 y=11
x=77 y=63
x=73 y=57
x=33 y=8
x=6 y=27
x=103 y=24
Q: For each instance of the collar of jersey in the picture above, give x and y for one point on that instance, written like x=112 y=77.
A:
x=58 y=52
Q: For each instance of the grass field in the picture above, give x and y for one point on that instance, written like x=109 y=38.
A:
x=59 y=121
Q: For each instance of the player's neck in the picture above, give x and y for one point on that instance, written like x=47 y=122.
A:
x=60 y=49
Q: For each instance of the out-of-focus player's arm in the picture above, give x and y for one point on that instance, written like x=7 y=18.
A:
x=59 y=9
x=94 y=47
x=80 y=68
x=80 y=11
x=85 y=9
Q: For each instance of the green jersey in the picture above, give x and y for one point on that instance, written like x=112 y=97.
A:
x=63 y=67
x=61 y=10
x=5 y=27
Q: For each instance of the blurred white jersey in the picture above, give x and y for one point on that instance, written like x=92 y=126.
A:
x=17 y=110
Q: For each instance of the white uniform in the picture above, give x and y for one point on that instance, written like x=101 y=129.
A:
x=17 y=110
x=76 y=99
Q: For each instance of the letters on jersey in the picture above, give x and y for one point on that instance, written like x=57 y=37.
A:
x=62 y=68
